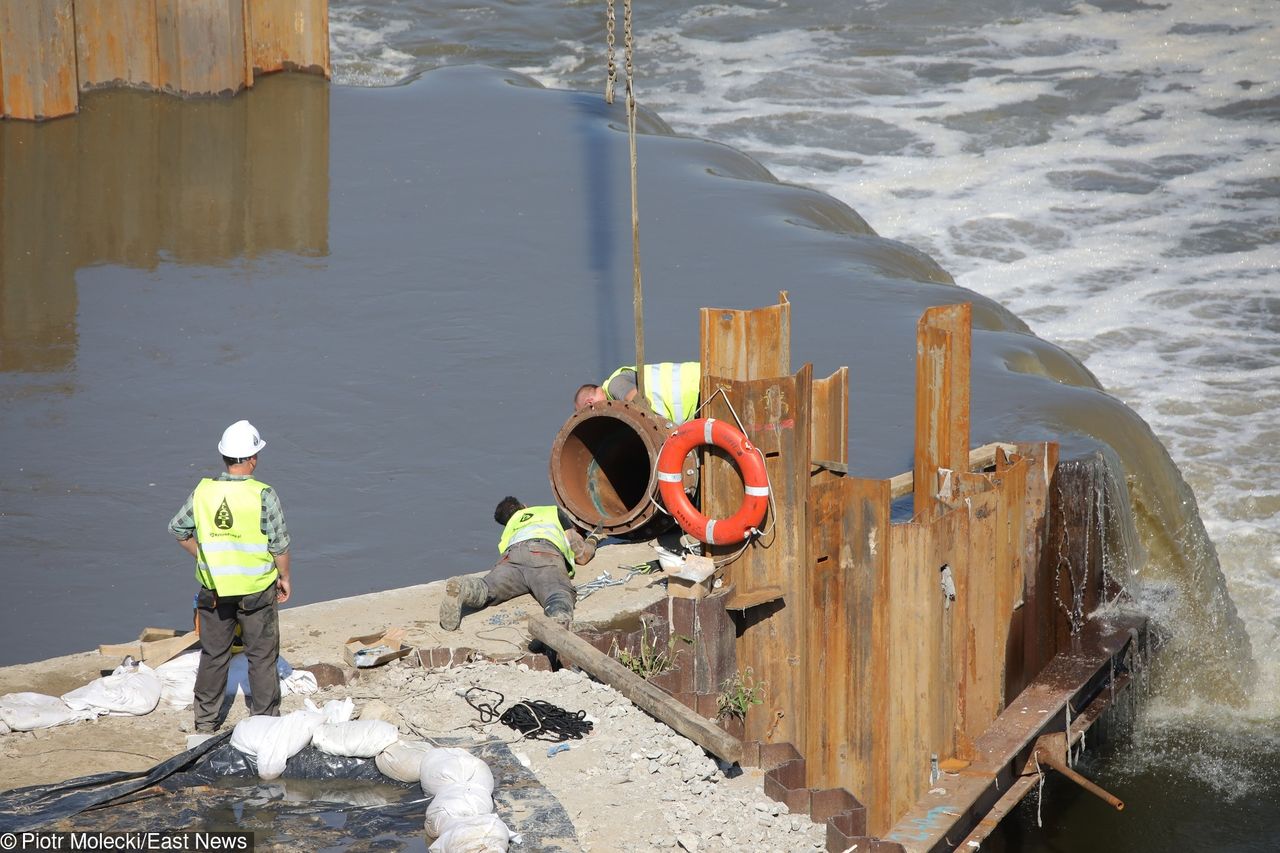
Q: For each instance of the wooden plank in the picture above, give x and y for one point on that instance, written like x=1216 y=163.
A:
x=649 y=698
x=745 y=601
x=288 y=35
x=200 y=46
x=37 y=59
x=116 y=43
x=979 y=457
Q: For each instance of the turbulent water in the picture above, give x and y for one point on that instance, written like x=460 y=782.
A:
x=1106 y=173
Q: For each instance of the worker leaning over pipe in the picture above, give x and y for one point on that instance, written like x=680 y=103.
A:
x=539 y=548
x=234 y=527
x=670 y=389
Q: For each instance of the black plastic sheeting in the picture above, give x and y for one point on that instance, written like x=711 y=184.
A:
x=321 y=801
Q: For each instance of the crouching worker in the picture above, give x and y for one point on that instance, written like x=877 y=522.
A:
x=539 y=548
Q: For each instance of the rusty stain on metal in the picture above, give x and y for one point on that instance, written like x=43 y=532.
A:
x=54 y=49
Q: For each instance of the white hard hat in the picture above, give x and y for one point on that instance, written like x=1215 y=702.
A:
x=240 y=441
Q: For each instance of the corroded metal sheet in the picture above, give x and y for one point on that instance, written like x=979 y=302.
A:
x=37 y=59
x=116 y=43
x=288 y=34
x=943 y=345
x=200 y=46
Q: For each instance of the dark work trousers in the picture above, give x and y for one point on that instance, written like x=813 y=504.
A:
x=260 y=628
x=533 y=566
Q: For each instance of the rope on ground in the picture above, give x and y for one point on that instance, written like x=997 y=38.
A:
x=534 y=719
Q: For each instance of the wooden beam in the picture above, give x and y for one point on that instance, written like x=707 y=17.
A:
x=979 y=458
x=648 y=698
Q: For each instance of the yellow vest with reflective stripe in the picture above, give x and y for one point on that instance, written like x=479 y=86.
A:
x=671 y=387
x=231 y=549
x=537 y=522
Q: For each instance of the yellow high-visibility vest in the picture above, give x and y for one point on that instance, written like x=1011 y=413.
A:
x=671 y=387
x=537 y=522
x=231 y=549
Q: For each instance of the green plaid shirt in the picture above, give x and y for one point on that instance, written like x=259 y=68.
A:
x=183 y=525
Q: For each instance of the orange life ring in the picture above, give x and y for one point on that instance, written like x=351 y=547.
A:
x=750 y=463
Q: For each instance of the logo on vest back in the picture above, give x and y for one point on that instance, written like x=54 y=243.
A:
x=526 y=517
x=222 y=519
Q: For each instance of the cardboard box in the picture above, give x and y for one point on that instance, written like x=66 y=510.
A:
x=376 y=649
x=153 y=647
x=693 y=578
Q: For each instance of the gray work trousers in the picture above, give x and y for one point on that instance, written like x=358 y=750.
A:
x=260 y=631
x=535 y=567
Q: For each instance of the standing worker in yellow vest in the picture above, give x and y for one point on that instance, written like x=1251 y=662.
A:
x=539 y=548
x=670 y=389
x=234 y=527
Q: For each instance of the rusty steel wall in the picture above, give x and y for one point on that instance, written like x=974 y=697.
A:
x=51 y=50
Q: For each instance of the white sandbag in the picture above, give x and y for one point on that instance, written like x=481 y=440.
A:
x=355 y=738
x=402 y=760
x=452 y=766
x=299 y=681
x=274 y=740
x=456 y=801
x=334 y=711
x=128 y=691
x=23 y=712
x=238 y=675
x=479 y=834
x=178 y=679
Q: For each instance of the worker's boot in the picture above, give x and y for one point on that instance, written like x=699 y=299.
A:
x=460 y=593
x=560 y=610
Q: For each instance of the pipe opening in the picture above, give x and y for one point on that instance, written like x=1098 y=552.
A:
x=604 y=470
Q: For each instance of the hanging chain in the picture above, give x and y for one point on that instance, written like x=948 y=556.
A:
x=628 y=45
x=611 y=75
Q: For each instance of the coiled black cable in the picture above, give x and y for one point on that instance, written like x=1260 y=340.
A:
x=536 y=719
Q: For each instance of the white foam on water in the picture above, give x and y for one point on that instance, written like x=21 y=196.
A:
x=1077 y=173
x=359 y=52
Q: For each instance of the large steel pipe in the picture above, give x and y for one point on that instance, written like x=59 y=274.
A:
x=602 y=466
